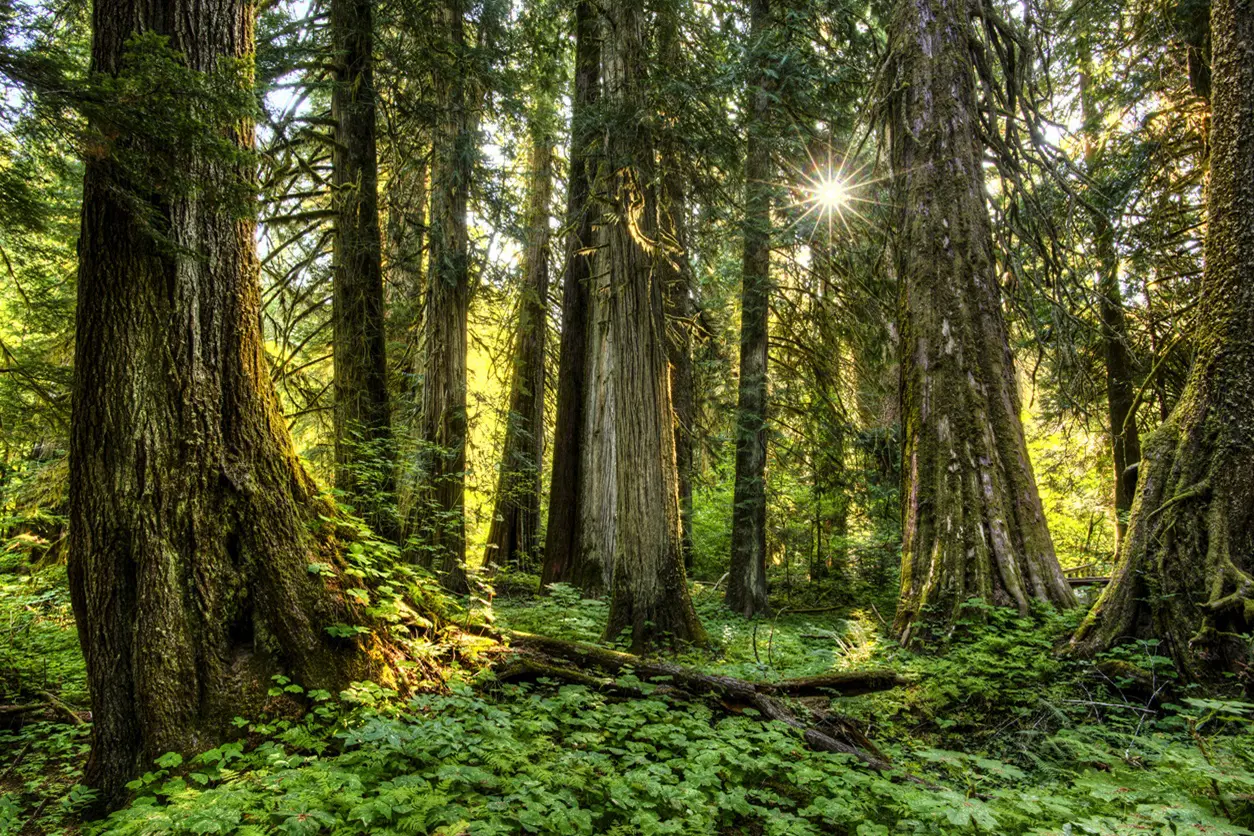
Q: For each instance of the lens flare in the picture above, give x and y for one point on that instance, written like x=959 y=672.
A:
x=830 y=195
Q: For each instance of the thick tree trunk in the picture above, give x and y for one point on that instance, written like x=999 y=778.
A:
x=363 y=428
x=514 y=534
x=973 y=525
x=746 y=585
x=562 y=545
x=442 y=459
x=190 y=512
x=1186 y=573
x=650 y=590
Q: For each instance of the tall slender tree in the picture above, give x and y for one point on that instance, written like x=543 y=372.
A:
x=513 y=536
x=443 y=407
x=1186 y=573
x=363 y=423
x=1125 y=439
x=562 y=548
x=649 y=588
x=677 y=273
x=746 y=585
x=973 y=525
x=190 y=512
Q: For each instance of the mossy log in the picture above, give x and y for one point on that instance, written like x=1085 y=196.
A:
x=543 y=656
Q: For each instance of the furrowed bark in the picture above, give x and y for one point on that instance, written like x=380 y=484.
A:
x=973 y=525
x=190 y=513
x=562 y=545
x=649 y=588
x=746 y=586
x=1186 y=573
x=677 y=278
x=514 y=533
x=363 y=426
x=440 y=507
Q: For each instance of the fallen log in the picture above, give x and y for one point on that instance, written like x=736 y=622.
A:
x=822 y=732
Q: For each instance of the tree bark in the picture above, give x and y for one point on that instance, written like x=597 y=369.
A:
x=364 y=454
x=973 y=525
x=442 y=465
x=1125 y=440
x=514 y=533
x=562 y=548
x=650 y=590
x=190 y=512
x=746 y=586
x=1186 y=573
x=677 y=280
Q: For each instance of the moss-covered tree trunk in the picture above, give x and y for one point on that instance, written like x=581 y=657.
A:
x=1186 y=572
x=190 y=513
x=440 y=508
x=513 y=536
x=562 y=545
x=650 y=590
x=973 y=525
x=363 y=421
x=746 y=585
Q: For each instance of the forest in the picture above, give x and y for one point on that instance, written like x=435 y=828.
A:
x=627 y=417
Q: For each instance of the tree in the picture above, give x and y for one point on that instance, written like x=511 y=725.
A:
x=443 y=409
x=650 y=590
x=190 y=513
x=746 y=585
x=1125 y=440
x=363 y=429
x=973 y=525
x=514 y=533
x=562 y=548
x=677 y=277
x=1186 y=575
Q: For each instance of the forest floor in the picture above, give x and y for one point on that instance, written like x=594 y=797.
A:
x=994 y=733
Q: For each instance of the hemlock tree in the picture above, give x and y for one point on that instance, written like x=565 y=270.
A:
x=746 y=585
x=363 y=431
x=513 y=536
x=443 y=358
x=973 y=525
x=190 y=513
x=650 y=590
x=563 y=550
x=1125 y=440
x=1186 y=572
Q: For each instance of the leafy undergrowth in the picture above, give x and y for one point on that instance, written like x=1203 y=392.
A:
x=1010 y=737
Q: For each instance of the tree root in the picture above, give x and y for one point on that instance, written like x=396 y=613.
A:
x=541 y=656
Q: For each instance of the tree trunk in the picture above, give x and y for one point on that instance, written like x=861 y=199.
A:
x=677 y=280
x=1186 y=573
x=190 y=512
x=746 y=586
x=442 y=459
x=562 y=547
x=650 y=590
x=973 y=526
x=598 y=482
x=363 y=428
x=514 y=533
x=1125 y=440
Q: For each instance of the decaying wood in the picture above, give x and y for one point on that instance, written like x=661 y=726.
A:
x=542 y=656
